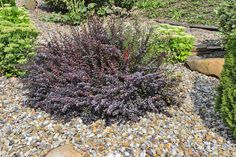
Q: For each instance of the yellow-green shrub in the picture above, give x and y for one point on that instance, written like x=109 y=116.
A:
x=17 y=37
x=172 y=40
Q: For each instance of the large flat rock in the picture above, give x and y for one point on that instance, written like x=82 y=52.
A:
x=207 y=66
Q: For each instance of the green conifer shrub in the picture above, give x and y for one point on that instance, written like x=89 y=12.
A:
x=226 y=99
x=17 y=37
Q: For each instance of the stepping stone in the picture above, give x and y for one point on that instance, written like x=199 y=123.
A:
x=207 y=66
x=64 y=151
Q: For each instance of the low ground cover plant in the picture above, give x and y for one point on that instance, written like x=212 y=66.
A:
x=227 y=16
x=226 y=100
x=196 y=12
x=97 y=72
x=17 y=37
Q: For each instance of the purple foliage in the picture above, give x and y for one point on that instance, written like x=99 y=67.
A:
x=90 y=73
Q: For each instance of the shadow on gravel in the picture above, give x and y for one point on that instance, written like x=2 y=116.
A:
x=203 y=97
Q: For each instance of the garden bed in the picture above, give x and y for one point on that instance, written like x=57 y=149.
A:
x=191 y=128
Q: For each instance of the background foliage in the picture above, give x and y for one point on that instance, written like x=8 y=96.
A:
x=227 y=16
x=190 y=11
x=79 y=10
x=17 y=36
x=11 y=2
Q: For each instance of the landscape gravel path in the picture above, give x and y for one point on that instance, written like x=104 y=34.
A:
x=193 y=130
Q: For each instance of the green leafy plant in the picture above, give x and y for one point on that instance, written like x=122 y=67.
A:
x=226 y=99
x=58 y=4
x=17 y=36
x=227 y=16
x=172 y=40
x=78 y=10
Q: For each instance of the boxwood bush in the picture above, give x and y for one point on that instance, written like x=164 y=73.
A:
x=17 y=37
x=227 y=16
x=226 y=100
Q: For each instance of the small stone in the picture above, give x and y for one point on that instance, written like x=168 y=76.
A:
x=168 y=146
x=126 y=144
x=45 y=123
x=127 y=154
x=189 y=152
x=143 y=153
x=220 y=139
x=101 y=148
x=173 y=151
x=8 y=130
x=209 y=137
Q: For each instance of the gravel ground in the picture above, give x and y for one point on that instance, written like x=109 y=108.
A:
x=193 y=130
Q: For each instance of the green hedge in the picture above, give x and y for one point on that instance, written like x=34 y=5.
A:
x=17 y=37
x=226 y=100
x=172 y=40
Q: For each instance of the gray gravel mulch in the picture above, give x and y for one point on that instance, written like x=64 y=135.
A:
x=193 y=130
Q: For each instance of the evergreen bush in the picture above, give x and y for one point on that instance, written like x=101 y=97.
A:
x=226 y=99
x=17 y=37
